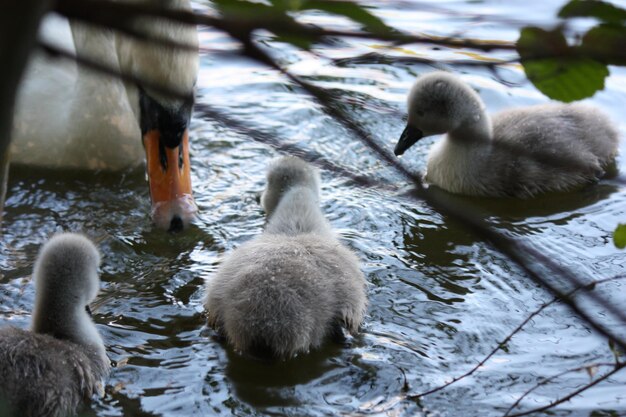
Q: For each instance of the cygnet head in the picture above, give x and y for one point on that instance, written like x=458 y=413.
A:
x=66 y=279
x=284 y=174
x=164 y=120
x=438 y=103
x=67 y=266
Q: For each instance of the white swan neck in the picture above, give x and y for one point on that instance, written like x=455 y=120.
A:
x=94 y=43
x=298 y=212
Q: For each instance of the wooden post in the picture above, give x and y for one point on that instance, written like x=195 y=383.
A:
x=19 y=22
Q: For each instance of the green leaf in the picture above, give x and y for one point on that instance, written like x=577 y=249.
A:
x=594 y=8
x=619 y=236
x=537 y=42
x=606 y=42
x=291 y=5
x=557 y=69
x=566 y=80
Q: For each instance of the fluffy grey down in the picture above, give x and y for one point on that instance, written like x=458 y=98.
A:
x=53 y=369
x=287 y=290
x=519 y=152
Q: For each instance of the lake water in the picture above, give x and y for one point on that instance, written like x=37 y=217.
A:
x=440 y=298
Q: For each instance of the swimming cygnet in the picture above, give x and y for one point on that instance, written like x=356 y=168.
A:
x=521 y=153
x=51 y=370
x=287 y=290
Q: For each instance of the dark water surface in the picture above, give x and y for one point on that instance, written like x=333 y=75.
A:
x=440 y=298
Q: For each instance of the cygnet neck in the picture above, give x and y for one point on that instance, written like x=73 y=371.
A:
x=64 y=317
x=298 y=212
x=475 y=128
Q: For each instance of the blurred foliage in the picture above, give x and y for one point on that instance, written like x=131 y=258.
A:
x=563 y=68
x=279 y=12
x=593 y=8
x=280 y=9
x=569 y=72
x=562 y=75
x=619 y=236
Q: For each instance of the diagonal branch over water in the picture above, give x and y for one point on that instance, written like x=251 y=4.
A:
x=515 y=249
x=526 y=257
x=313 y=157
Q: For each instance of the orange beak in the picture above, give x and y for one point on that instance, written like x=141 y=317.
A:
x=169 y=176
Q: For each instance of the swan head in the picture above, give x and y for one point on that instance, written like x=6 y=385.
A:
x=164 y=120
x=285 y=173
x=438 y=103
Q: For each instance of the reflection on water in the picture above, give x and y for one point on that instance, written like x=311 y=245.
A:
x=440 y=298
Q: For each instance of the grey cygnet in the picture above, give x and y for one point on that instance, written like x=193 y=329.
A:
x=53 y=369
x=520 y=153
x=287 y=290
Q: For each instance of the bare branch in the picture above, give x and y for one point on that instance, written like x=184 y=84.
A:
x=58 y=52
x=310 y=156
x=243 y=27
x=378 y=58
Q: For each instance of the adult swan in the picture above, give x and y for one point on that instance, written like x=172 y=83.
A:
x=70 y=117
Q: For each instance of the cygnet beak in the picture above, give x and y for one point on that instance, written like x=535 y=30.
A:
x=409 y=136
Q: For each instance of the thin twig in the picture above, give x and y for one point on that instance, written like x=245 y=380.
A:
x=617 y=368
x=506 y=340
x=552 y=378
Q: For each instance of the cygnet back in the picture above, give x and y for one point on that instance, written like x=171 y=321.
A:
x=290 y=288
